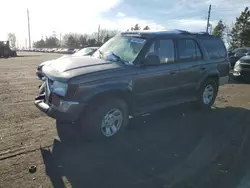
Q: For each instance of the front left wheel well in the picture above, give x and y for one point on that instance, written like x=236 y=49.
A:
x=100 y=98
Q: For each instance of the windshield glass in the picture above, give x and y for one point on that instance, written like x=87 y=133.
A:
x=83 y=52
x=126 y=48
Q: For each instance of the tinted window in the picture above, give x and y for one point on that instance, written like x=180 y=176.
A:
x=189 y=50
x=215 y=48
x=164 y=49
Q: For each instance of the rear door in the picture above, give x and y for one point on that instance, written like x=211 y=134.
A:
x=189 y=59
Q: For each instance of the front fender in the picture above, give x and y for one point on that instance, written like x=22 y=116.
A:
x=86 y=92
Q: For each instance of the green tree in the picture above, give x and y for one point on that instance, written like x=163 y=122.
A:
x=137 y=27
x=146 y=28
x=83 y=40
x=219 y=29
x=51 y=42
x=12 y=40
x=107 y=37
x=240 y=33
x=39 y=44
x=92 y=42
x=71 y=40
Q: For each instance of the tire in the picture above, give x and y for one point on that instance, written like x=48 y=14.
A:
x=207 y=102
x=92 y=126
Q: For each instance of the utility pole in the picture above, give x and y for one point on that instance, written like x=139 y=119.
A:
x=26 y=43
x=28 y=27
x=60 y=39
x=98 y=34
x=208 y=17
x=211 y=28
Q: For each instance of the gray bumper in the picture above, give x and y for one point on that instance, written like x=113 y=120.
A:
x=70 y=112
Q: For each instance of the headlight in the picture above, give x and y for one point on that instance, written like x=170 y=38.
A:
x=237 y=63
x=59 y=88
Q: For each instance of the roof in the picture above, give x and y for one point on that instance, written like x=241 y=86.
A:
x=150 y=33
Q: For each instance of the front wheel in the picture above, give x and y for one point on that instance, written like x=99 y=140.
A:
x=207 y=94
x=105 y=120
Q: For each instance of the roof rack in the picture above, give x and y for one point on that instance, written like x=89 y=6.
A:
x=197 y=33
x=175 y=31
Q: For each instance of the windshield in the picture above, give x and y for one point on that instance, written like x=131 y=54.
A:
x=83 y=52
x=126 y=48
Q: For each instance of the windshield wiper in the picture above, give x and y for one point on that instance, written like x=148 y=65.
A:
x=100 y=53
x=118 y=58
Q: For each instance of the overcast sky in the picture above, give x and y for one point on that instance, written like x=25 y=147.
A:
x=83 y=16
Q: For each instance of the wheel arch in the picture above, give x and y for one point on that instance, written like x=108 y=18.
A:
x=101 y=97
x=215 y=75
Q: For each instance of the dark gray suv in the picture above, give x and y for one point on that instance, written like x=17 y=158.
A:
x=132 y=74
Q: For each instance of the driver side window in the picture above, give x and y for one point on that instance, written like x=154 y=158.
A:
x=164 y=49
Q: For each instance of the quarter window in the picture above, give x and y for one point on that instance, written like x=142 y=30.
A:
x=215 y=48
x=189 y=50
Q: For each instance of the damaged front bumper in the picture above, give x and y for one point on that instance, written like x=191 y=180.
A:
x=65 y=111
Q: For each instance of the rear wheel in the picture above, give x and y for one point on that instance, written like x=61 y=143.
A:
x=105 y=120
x=207 y=94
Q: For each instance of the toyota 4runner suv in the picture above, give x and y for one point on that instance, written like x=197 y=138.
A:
x=132 y=74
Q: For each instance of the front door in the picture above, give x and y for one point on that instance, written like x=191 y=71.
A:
x=157 y=84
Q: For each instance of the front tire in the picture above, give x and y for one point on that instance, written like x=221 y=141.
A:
x=105 y=120
x=207 y=94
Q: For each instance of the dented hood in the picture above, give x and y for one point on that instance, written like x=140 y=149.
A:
x=75 y=66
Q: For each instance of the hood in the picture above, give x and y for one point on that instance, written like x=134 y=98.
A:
x=75 y=66
x=43 y=63
x=245 y=59
x=64 y=56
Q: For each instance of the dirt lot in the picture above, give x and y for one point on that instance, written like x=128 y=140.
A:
x=178 y=147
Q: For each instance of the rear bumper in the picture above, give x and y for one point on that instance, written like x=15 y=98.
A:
x=66 y=111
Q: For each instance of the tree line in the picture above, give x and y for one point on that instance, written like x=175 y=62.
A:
x=235 y=35
x=74 y=40
x=238 y=34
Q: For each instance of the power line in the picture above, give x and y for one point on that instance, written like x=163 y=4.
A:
x=208 y=18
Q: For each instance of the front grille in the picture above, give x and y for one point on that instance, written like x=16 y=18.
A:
x=48 y=87
x=245 y=66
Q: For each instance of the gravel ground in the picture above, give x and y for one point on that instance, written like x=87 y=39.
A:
x=178 y=147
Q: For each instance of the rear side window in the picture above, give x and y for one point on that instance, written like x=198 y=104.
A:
x=215 y=48
x=188 y=50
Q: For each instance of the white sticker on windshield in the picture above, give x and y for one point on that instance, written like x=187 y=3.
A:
x=129 y=63
x=137 y=40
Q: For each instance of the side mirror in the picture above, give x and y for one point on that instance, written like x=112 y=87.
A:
x=152 y=60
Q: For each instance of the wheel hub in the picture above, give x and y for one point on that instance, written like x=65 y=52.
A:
x=111 y=122
x=208 y=94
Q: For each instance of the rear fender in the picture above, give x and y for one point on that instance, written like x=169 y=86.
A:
x=211 y=74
